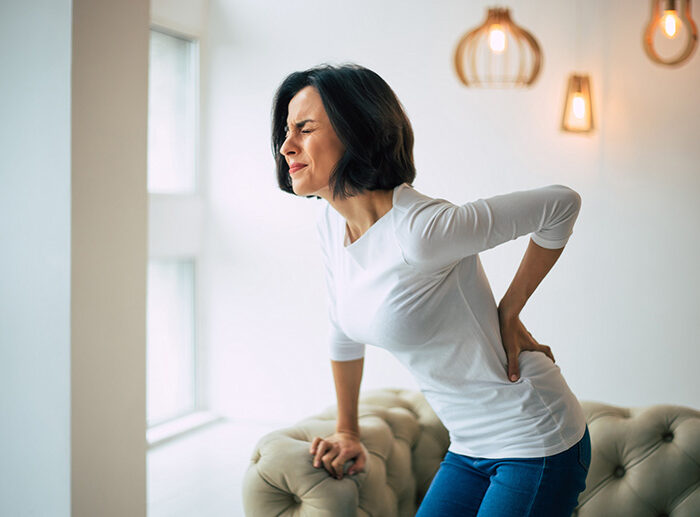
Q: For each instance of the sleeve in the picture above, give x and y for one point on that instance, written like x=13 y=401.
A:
x=341 y=348
x=442 y=233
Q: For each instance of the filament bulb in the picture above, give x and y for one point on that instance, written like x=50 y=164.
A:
x=669 y=24
x=579 y=106
x=497 y=38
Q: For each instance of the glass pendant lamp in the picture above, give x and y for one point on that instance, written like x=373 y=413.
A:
x=671 y=36
x=578 y=109
x=498 y=54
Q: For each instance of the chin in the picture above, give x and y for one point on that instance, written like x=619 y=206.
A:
x=301 y=188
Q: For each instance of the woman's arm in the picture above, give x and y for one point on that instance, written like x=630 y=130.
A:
x=436 y=233
x=536 y=263
x=347 y=376
x=335 y=450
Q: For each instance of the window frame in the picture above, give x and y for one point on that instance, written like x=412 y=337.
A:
x=195 y=49
x=180 y=209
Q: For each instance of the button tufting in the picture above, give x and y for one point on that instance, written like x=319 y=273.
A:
x=668 y=436
x=619 y=471
x=296 y=499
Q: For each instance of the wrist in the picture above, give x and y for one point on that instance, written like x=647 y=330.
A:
x=352 y=432
x=508 y=311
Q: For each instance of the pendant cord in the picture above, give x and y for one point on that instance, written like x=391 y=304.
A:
x=576 y=36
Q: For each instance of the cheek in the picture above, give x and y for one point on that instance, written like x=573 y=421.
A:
x=320 y=153
x=325 y=152
x=333 y=151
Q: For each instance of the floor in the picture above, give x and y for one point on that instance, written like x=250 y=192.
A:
x=200 y=474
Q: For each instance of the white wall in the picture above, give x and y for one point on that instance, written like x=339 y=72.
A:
x=640 y=280
x=619 y=308
x=35 y=258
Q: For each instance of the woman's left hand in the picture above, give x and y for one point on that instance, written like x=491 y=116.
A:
x=516 y=338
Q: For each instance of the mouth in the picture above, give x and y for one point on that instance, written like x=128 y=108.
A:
x=296 y=169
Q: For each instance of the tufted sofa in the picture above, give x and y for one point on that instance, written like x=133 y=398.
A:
x=645 y=462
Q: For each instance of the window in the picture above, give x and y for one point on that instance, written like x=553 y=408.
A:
x=174 y=402
x=172 y=113
x=170 y=355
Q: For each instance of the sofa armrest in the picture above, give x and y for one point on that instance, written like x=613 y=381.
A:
x=405 y=441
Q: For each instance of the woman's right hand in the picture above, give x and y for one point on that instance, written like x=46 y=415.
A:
x=334 y=450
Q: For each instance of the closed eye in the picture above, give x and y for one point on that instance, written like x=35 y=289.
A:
x=286 y=133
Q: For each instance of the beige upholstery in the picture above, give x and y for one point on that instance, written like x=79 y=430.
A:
x=645 y=462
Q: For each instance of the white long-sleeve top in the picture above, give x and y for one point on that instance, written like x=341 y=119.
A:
x=414 y=285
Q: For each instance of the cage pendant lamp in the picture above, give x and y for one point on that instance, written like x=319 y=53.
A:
x=498 y=54
x=578 y=109
x=671 y=36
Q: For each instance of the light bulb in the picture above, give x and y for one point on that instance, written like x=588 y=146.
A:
x=497 y=38
x=498 y=53
x=578 y=112
x=579 y=106
x=669 y=24
x=671 y=36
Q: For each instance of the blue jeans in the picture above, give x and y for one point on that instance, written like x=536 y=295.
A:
x=508 y=487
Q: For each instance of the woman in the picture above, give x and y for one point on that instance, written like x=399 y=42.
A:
x=402 y=272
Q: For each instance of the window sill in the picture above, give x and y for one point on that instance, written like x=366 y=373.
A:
x=162 y=433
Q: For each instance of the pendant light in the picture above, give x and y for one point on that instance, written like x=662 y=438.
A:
x=577 y=116
x=498 y=53
x=578 y=109
x=671 y=36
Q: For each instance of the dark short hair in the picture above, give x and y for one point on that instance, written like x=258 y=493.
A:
x=369 y=120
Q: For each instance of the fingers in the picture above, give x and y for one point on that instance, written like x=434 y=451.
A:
x=548 y=351
x=518 y=339
x=325 y=453
x=330 y=455
x=534 y=345
x=327 y=460
x=358 y=463
x=337 y=465
x=320 y=451
x=314 y=444
x=542 y=348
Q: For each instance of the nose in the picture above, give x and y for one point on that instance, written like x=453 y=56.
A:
x=288 y=145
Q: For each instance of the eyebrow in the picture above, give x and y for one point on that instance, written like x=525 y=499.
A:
x=301 y=123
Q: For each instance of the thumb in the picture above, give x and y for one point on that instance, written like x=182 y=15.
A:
x=358 y=466
x=513 y=368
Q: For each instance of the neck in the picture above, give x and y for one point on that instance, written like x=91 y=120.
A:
x=363 y=210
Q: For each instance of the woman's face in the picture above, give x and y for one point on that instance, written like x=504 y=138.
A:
x=311 y=141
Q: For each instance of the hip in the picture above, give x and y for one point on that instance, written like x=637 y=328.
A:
x=576 y=457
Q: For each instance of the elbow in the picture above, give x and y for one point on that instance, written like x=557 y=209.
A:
x=571 y=196
x=576 y=199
